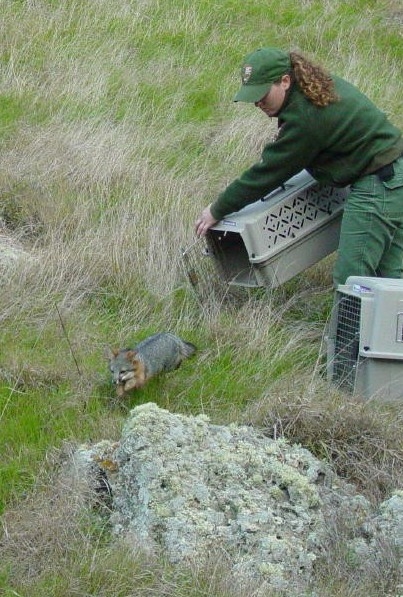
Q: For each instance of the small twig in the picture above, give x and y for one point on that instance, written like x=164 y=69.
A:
x=68 y=340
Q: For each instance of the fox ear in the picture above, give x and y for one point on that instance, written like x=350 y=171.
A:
x=132 y=356
x=110 y=354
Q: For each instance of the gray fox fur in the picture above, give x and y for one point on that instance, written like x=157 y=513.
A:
x=131 y=368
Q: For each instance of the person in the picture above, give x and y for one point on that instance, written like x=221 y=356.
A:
x=329 y=128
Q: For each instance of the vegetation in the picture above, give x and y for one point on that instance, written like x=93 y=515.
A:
x=116 y=129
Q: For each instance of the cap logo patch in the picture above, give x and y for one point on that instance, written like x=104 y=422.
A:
x=246 y=73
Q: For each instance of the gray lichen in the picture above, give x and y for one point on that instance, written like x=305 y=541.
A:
x=189 y=488
x=193 y=486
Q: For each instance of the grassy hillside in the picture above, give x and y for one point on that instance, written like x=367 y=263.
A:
x=116 y=127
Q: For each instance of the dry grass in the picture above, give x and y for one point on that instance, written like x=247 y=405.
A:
x=55 y=544
x=338 y=572
x=362 y=440
x=123 y=129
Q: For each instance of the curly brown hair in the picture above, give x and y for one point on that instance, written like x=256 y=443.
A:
x=315 y=83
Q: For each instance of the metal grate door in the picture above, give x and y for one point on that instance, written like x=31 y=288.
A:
x=347 y=340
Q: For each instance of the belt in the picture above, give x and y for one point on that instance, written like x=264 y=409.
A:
x=385 y=173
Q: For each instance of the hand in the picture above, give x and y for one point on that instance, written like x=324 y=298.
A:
x=204 y=222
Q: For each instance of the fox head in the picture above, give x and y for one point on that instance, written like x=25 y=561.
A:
x=125 y=367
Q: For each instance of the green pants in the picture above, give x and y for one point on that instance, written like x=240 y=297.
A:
x=371 y=236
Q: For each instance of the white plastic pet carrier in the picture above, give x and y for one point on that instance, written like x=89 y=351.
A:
x=365 y=340
x=270 y=241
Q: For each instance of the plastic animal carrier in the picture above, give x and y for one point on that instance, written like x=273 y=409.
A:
x=365 y=338
x=270 y=241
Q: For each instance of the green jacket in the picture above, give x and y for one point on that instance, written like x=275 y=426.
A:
x=337 y=144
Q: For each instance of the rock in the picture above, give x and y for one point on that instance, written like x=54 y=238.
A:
x=190 y=487
x=184 y=487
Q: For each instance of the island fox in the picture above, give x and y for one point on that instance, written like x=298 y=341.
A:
x=131 y=368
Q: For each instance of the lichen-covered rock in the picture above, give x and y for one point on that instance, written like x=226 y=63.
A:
x=193 y=487
x=390 y=519
x=189 y=488
x=381 y=536
x=90 y=470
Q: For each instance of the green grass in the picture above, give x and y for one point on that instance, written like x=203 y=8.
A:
x=117 y=127
x=34 y=421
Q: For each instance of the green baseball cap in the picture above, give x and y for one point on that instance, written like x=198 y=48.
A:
x=259 y=71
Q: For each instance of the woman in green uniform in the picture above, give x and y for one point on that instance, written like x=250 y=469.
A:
x=331 y=129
